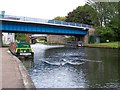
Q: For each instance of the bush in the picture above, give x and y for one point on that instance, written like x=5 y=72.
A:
x=105 y=33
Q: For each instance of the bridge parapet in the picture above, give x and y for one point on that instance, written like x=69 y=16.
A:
x=21 y=18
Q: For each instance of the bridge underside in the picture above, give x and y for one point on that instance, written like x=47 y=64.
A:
x=27 y=27
x=41 y=28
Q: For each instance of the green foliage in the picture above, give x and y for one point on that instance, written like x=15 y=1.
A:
x=105 y=10
x=105 y=33
x=60 y=18
x=108 y=16
x=106 y=45
x=83 y=14
x=104 y=15
x=114 y=25
x=20 y=37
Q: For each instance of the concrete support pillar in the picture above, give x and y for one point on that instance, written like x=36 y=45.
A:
x=85 y=39
x=76 y=39
x=0 y=38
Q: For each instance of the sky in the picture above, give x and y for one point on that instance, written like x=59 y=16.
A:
x=44 y=9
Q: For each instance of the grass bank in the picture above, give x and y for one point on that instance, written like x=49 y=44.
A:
x=105 y=45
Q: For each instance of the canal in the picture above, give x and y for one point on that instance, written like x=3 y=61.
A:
x=68 y=67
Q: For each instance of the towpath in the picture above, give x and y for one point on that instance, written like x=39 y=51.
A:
x=13 y=74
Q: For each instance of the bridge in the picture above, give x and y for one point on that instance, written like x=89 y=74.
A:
x=18 y=24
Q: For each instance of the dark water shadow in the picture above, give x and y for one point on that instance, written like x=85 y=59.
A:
x=27 y=62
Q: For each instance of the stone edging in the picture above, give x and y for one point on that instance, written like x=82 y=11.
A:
x=28 y=83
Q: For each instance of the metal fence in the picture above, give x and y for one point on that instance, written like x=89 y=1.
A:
x=21 y=18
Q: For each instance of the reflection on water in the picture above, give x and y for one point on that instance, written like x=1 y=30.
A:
x=27 y=62
x=63 y=67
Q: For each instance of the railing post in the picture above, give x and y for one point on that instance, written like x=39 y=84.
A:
x=75 y=24
x=1 y=38
x=54 y=22
x=61 y=22
x=2 y=14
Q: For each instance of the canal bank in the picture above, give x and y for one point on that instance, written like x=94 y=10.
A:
x=14 y=74
x=114 y=45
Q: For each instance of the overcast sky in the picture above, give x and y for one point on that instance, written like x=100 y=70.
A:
x=45 y=9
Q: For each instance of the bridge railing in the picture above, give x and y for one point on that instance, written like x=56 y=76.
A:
x=21 y=18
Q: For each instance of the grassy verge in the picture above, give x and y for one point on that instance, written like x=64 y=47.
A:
x=106 y=45
x=5 y=45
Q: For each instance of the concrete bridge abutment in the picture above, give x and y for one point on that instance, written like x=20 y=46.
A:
x=83 y=38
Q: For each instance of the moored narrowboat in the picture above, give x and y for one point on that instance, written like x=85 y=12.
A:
x=21 y=49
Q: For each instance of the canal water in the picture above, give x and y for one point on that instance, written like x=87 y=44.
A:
x=68 y=67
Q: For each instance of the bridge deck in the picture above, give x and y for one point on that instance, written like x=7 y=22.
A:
x=43 y=21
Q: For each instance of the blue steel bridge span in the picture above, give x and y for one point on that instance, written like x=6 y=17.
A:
x=41 y=26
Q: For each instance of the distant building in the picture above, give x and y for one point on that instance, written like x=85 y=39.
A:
x=7 y=38
x=58 y=39
x=34 y=37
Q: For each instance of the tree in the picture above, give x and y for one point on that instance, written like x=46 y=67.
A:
x=105 y=33
x=108 y=15
x=83 y=14
x=106 y=10
x=20 y=37
x=60 y=18
x=115 y=26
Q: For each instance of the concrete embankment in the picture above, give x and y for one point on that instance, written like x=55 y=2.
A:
x=14 y=74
